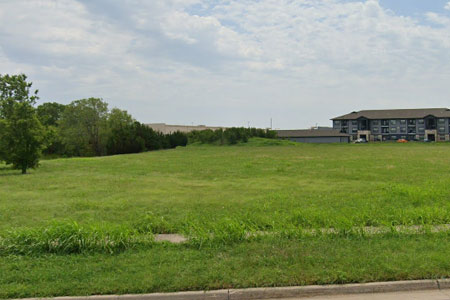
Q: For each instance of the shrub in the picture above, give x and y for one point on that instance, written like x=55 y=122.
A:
x=230 y=136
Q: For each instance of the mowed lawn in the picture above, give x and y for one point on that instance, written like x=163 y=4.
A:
x=198 y=190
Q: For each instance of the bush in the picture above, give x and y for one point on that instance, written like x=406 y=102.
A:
x=230 y=136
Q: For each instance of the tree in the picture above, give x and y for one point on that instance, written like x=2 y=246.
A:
x=21 y=133
x=49 y=114
x=83 y=127
x=177 y=139
x=122 y=136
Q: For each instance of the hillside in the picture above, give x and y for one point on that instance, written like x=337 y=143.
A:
x=220 y=198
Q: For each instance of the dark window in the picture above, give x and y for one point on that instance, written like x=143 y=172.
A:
x=402 y=129
x=441 y=129
x=375 y=129
x=393 y=122
x=375 y=122
x=403 y=122
x=345 y=123
x=393 y=130
x=412 y=122
x=421 y=121
x=412 y=130
x=354 y=122
x=385 y=130
x=384 y=122
x=430 y=123
x=441 y=121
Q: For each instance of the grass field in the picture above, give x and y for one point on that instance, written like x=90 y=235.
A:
x=84 y=225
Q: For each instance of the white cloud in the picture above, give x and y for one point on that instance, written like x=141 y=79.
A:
x=300 y=62
x=438 y=19
x=447 y=6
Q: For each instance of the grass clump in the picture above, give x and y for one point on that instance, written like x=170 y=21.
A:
x=226 y=231
x=151 y=223
x=71 y=238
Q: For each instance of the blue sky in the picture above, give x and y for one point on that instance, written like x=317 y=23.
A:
x=414 y=8
x=231 y=62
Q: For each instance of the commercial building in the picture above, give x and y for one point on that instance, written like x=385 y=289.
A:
x=166 y=128
x=319 y=135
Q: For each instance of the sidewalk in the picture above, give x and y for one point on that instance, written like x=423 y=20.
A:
x=433 y=289
x=414 y=295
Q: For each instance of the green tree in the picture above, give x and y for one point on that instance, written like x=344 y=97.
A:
x=49 y=114
x=21 y=133
x=122 y=138
x=84 y=128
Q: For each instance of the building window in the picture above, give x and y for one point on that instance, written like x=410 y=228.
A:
x=384 y=122
x=385 y=130
x=421 y=121
x=344 y=123
x=337 y=123
x=393 y=130
x=393 y=122
x=442 y=137
x=394 y=137
x=354 y=122
x=412 y=122
x=402 y=129
x=442 y=129
x=441 y=121
x=421 y=129
x=403 y=122
x=375 y=129
x=375 y=122
x=354 y=129
x=412 y=130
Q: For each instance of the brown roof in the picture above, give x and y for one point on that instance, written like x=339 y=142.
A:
x=397 y=114
x=310 y=133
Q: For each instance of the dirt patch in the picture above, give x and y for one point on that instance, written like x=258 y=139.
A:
x=172 y=238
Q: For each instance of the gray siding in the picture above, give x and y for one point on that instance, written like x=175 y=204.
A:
x=321 y=139
x=395 y=128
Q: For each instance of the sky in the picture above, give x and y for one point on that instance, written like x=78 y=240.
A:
x=232 y=62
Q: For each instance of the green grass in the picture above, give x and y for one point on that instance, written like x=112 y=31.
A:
x=102 y=213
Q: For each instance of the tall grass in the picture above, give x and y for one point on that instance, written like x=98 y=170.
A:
x=71 y=238
x=68 y=237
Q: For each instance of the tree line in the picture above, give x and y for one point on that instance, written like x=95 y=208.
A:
x=85 y=127
x=229 y=136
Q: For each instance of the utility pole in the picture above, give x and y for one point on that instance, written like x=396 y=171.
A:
x=270 y=123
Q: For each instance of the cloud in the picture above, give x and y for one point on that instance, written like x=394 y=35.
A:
x=227 y=62
x=438 y=19
x=447 y=6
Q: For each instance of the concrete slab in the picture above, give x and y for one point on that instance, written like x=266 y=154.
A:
x=413 y=295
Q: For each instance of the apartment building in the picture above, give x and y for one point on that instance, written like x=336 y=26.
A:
x=432 y=124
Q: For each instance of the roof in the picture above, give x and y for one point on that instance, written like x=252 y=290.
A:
x=310 y=133
x=397 y=114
